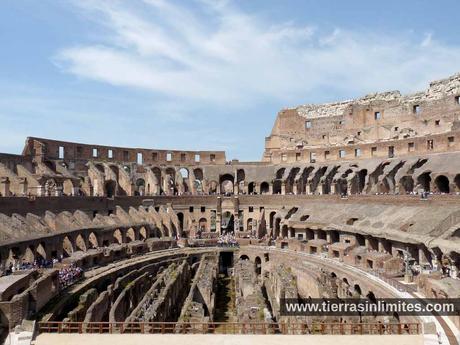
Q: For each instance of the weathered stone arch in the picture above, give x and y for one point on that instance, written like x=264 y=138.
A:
x=67 y=247
x=117 y=236
x=80 y=243
x=143 y=233
x=40 y=252
x=226 y=183
x=29 y=254
x=93 y=241
x=130 y=235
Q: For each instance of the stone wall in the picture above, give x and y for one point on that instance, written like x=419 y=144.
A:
x=199 y=304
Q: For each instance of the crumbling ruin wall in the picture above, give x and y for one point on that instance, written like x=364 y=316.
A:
x=250 y=301
x=30 y=301
x=281 y=283
x=85 y=300
x=199 y=304
x=141 y=311
x=99 y=310
x=166 y=305
x=130 y=297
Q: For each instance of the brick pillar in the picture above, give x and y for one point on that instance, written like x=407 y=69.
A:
x=23 y=184
x=40 y=190
x=219 y=215
x=367 y=243
x=58 y=191
x=5 y=186
x=332 y=188
x=423 y=259
x=236 y=188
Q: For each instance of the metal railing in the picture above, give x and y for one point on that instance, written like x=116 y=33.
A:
x=297 y=328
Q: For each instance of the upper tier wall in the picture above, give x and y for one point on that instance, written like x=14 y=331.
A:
x=374 y=119
x=44 y=149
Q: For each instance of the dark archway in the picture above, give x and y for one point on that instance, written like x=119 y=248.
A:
x=110 y=188
x=442 y=184
x=457 y=181
x=406 y=184
x=424 y=181
x=277 y=187
x=180 y=216
x=228 y=222
x=226 y=184
x=264 y=188
x=203 y=224
x=251 y=188
x=140 y=187
x=258 y=263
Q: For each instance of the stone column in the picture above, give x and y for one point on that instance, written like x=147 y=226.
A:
x=23 y=184
x=349 y=185
x=75 y=191
x=283 y=188
x=5 y=186
x=380 y=246
x=333 y=188
x=294 y=188
x=95 y=188
x=236 y=188
x=308 y=188
x=219 y=215
x=328 y=237
x=58 y=191
x=40 y=190
x=423 y=259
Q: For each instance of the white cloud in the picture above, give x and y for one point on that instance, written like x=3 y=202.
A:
x=218 y=53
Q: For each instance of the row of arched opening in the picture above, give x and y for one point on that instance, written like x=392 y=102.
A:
x=69 y=244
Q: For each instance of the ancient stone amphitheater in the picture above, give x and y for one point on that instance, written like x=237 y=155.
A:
x=352 y=199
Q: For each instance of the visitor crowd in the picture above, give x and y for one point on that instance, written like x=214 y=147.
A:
x=69 y=275
x=25 y=265
x=227 y=240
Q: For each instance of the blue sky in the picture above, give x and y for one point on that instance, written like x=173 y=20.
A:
x=205 y=74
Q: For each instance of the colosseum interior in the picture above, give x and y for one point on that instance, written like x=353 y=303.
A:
x=354 y=199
